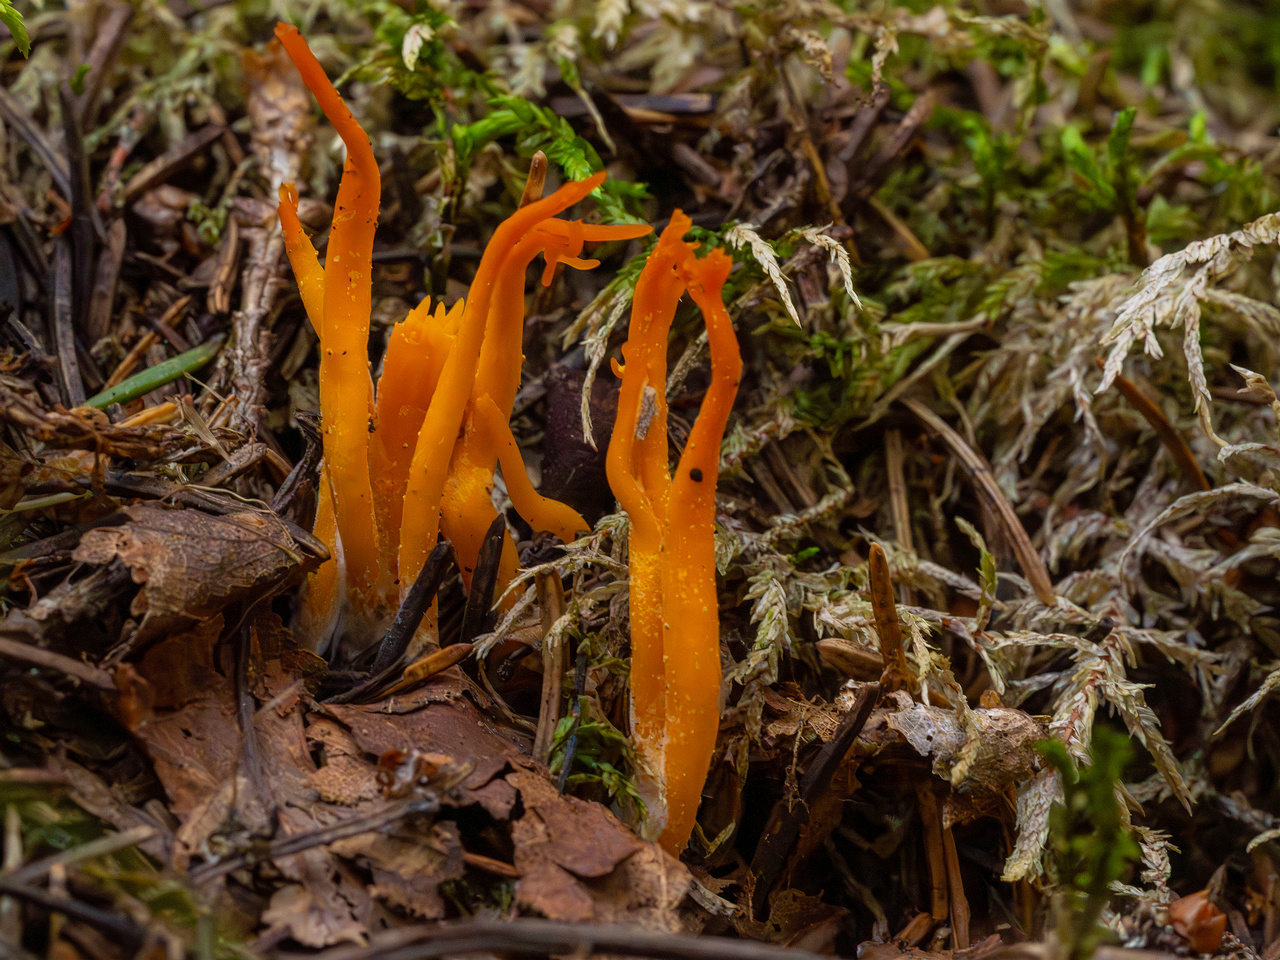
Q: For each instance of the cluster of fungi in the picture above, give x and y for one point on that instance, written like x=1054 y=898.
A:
x=414 y=460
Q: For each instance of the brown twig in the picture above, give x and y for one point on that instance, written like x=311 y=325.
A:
x=85 y=227
x=1173 y=440
x=298 y=842
x=63 y=331
x=218 y=299
x=955 y=889
x=131 y=359
x=551 y=596
x=437 y=661
x=484 y=580
x=549 y=938
x=989 y=492
x=931 y=822
x=169 y=162
x=899 y=507
x=412 y=609
x=36 y=870
x=108 y=33
x=29 y=653
x=783 y=829
x=12 y=110
x=878 y=168
x=112 y=923
x=103 y=295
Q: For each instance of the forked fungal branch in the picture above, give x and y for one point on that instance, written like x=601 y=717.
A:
x=675 y=622
x=420 y=459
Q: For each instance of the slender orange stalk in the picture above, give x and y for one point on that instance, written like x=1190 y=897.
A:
x=346 y=388
x=466 y=506
x=302 y=256
x=675 y=638
x=541 y=513
x=657 y=291
x=420 y=524
x=691 y=618
x=411 y=369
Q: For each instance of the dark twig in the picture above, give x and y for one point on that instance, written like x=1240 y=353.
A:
x=984 y=483
x=410 y=614
x=170 y=161
x=106 y=43
x=305 y=471
x=298 y=842
x=37 y=870
x=896 y=672
x=1173 y=440
x=111 y=923
x=13 y=111
x=483 y=582
x=86 y=227
x=784 y=826
x=878 y=168
x=549 y=938
x=551 y=594
x=64 y=335
x=106 y=276
x=15 y=649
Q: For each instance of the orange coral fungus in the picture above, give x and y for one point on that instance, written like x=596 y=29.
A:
x=490 y=307
x=439 y=428
x=347 y=406
x=675 y=624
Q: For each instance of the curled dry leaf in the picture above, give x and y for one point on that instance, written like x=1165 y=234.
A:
x=998 y=753
x=193 y=565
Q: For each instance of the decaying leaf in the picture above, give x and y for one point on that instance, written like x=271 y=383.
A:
x=193 y=565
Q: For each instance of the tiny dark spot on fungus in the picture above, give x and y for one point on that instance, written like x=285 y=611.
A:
x=695 y=475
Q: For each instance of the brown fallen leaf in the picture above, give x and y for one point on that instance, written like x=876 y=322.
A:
x=193 y=565
x=454 y=728
x=230 y=791
x=408 y=864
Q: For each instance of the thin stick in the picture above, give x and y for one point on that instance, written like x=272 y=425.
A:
x=551 y=592
x=111 y=923
x=550 y=938
x=63 y=332
x=933 y=848
x=898 y=505
x=895 y=463
x=1169 y=435
x=955 y=887
x=423 y=669
x=350 y=827
x=29 y=653
x=783 y=829
x=989 y=491
x=483 y=581
x=131 y=359
x=35 y=871
x=396 y=640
